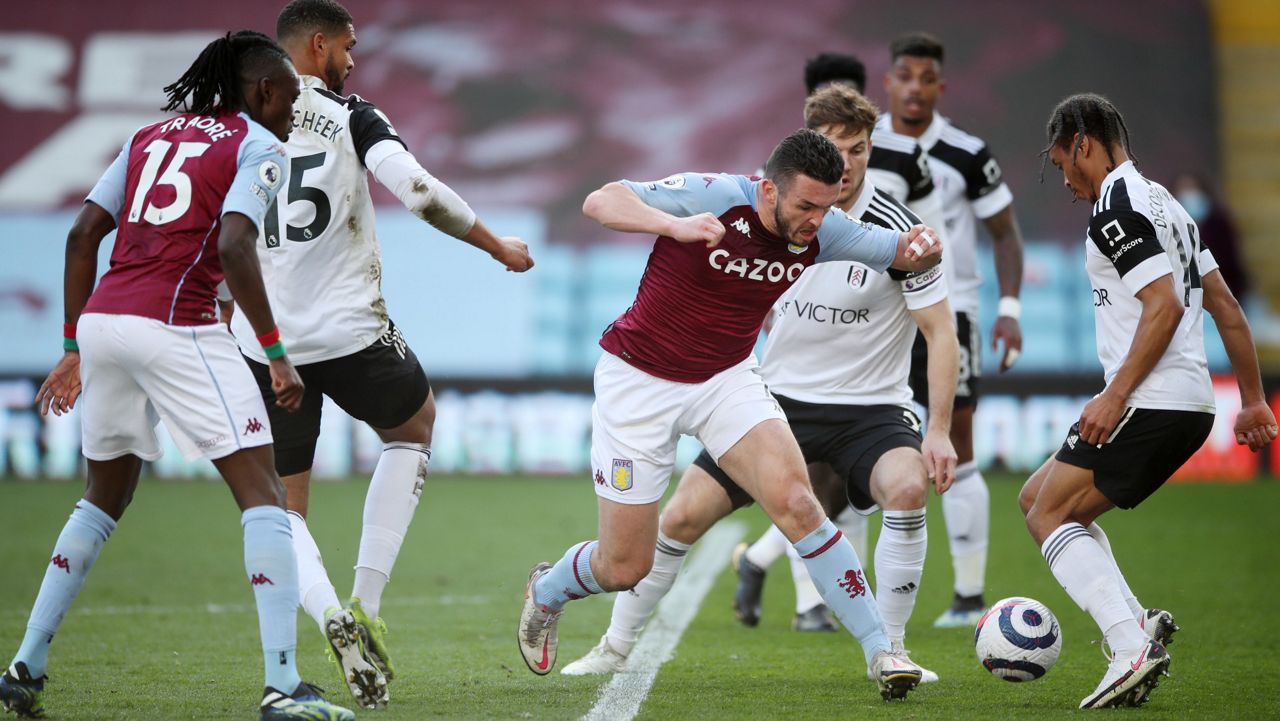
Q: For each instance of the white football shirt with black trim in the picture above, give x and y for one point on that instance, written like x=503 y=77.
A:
x=970 y=187
x=842 y=334
x=319 y=253
x=1138 y=234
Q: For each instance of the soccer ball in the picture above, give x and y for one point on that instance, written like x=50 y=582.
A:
x=1018 y=639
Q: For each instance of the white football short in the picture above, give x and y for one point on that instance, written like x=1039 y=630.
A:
x=137 y=371
x=637 y=419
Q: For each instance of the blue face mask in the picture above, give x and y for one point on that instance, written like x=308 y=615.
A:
x=1196 y=204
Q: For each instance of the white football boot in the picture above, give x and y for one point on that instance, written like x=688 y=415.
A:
x=602 y=659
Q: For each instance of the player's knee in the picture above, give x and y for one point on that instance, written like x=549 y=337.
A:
x=799 y=510
x=1027 y=497
x=623 y=574
x=907 y=494
x=680 y=524
x=1041 y=522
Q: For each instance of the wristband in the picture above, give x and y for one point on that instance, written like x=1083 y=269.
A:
x=69 y=337
x=274 y=351
x=271 y=337
x=1009 y=307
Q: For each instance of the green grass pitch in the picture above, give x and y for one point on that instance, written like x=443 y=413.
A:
x=165 y=627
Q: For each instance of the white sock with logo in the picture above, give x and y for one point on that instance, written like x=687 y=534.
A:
x=768 y=548
x=1098 y=535
x=631 y=609
x=315 y=590
x=393 y=496
x=966 y=508
x=1085 y=572
x=900 y=556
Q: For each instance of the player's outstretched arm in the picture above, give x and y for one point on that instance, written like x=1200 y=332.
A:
x=238 y=253
x=918 y=249
x=1006 y=237
x=61 y=389
x=1161 y=313
x=1255 y=425
x=616 y=207
x=937 y=325
x=430 y=199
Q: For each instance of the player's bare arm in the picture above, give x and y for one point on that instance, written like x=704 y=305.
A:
x=1006 y=237
x=238 y=254
x=61 y=389
x=937 y=325
x=918 y=249
x=616 y=207
x=507 y=250
x=1161 y=313
x=1255 y=425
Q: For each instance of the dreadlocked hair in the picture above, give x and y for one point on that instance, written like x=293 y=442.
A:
x=1085 y=114
x=213 y=82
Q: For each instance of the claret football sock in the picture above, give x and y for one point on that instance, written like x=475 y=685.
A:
x=569 y=579
x=394 y=492
x=631 y=609
x=77 y=548
x=273 y=574
x=839 y=577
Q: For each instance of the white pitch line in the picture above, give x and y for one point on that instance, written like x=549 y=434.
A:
x=620 y=699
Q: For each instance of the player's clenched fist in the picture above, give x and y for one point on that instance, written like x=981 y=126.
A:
x=700 y=228
x=513 y=253
x=287 y=384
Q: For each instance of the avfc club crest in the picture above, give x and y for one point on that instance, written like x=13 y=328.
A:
x=623 y=474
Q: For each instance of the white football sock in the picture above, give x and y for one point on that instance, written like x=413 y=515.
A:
x=1098 y=535
x=855 y=527
x=393 y=496
x=807 y=595
x=1085 y=571
x=768 y=549
x=315 y=590
x=900 y=556
x=631 y=609
x=966 y=508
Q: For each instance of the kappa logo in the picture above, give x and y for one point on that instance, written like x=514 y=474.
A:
x=253 y=426
x=708 y=179
x=854 y=583
x=61 y=561
x=599 y=477
x=742 y=226
x=259 y=579
x=623 y=474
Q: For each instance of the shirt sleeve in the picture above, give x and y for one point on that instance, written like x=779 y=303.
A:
x=261 y=172
x=369 y=127
x=1128 y=239
x=984 y=185
x=841 y=237
x=687 y=194
x=921 y=289
x=108 y=194
x=1207 y=262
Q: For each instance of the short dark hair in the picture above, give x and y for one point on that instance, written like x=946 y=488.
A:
x=1085 y=114
x=827 y=68
x=215 y=81
x=311 y=16
x=804 y=152
x=916 y=45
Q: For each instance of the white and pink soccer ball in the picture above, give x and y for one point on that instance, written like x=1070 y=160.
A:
x=1018 y=639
